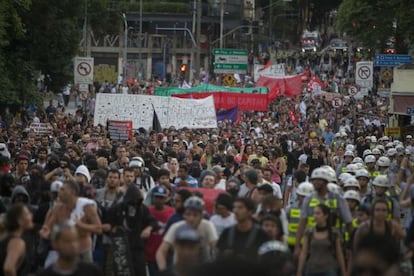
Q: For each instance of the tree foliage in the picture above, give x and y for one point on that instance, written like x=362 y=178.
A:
x=371 y=22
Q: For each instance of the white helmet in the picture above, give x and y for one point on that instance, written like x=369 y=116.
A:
x=331 y=172
x=385 y=138
x=380 y=147
x=366 y=152
x=321 y=173
x=351 y=168
x=350 y=148
x=351 y=182
x=352 y=195
x=357 y=160
x=337 y=135
x=349 y=153
x=391 y=152
x=397 y=142
x=389 y=145
x=305 y=189
x=381 y=181
x=344 y=176
x=373 y=139
x=343 y=134
x=376 y=151
x=362 y=173
x=334 y=188
x=368 y=138
x=383 y=162
x=370 y=159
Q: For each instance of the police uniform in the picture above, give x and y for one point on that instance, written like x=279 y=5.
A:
x=293 y=214
x=338 y=206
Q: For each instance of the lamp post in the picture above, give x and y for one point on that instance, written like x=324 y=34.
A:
x=85 y=28
x=125 y=48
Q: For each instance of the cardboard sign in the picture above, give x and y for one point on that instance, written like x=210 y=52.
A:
x=41 y=129
x=120 y=130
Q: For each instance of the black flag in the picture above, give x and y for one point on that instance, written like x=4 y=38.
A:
x=156 y=126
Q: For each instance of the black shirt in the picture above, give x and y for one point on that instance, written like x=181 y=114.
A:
x=82 y=269
x=245 y=244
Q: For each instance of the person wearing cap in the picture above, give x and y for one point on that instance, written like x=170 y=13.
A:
x=161 y=213
x=303 y=190
x=193 y=216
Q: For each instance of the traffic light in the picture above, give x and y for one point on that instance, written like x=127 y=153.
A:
x=183 y=70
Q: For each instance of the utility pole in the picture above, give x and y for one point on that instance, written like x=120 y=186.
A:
x=193 y=31
x=125 y=48
x=198 y=61
x=85 y=30
x=270 y=22
x=221 y=22
x=140 y=73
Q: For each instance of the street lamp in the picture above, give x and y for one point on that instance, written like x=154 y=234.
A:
x=125 y=48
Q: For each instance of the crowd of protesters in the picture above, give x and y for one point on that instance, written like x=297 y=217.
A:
x=303 y=189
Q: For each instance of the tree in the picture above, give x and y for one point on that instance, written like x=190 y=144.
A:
x=372 y=22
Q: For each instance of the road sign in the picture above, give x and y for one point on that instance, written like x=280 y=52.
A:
x=229 y=80
x=364 y=72
x=387 y=75
x=83 y=70
x=352 y=90
x=230 y=61
x=392 y=60
x=337 y=102
x=410 y=111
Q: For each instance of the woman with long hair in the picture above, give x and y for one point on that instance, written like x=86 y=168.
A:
x=321 y=253
x=18 y=219
x=378 y=225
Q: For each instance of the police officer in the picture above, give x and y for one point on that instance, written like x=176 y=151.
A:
x=293 y=213
x=381 y=185
x=370 y=161
x=340 y=211
x=348 y=157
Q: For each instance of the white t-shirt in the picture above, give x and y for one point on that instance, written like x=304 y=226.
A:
x=124 y=90
x=205 y=230
x=222 y=223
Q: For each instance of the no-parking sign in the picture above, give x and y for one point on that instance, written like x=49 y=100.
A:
x=83 y=70
x=364 y=74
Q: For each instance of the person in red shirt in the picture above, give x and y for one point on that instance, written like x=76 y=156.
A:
x=161 y=212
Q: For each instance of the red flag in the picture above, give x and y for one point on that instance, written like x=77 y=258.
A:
x=267 y=65
x=293 y=117
x=293 y=86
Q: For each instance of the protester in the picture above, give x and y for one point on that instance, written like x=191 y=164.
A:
x=65 y=241
x=13 y=247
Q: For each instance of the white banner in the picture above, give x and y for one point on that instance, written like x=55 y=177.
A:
x=170 y=111
x=83 y=70
x=364 y=74
x=273 y=71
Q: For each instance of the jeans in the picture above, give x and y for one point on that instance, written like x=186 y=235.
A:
x=152 y=269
